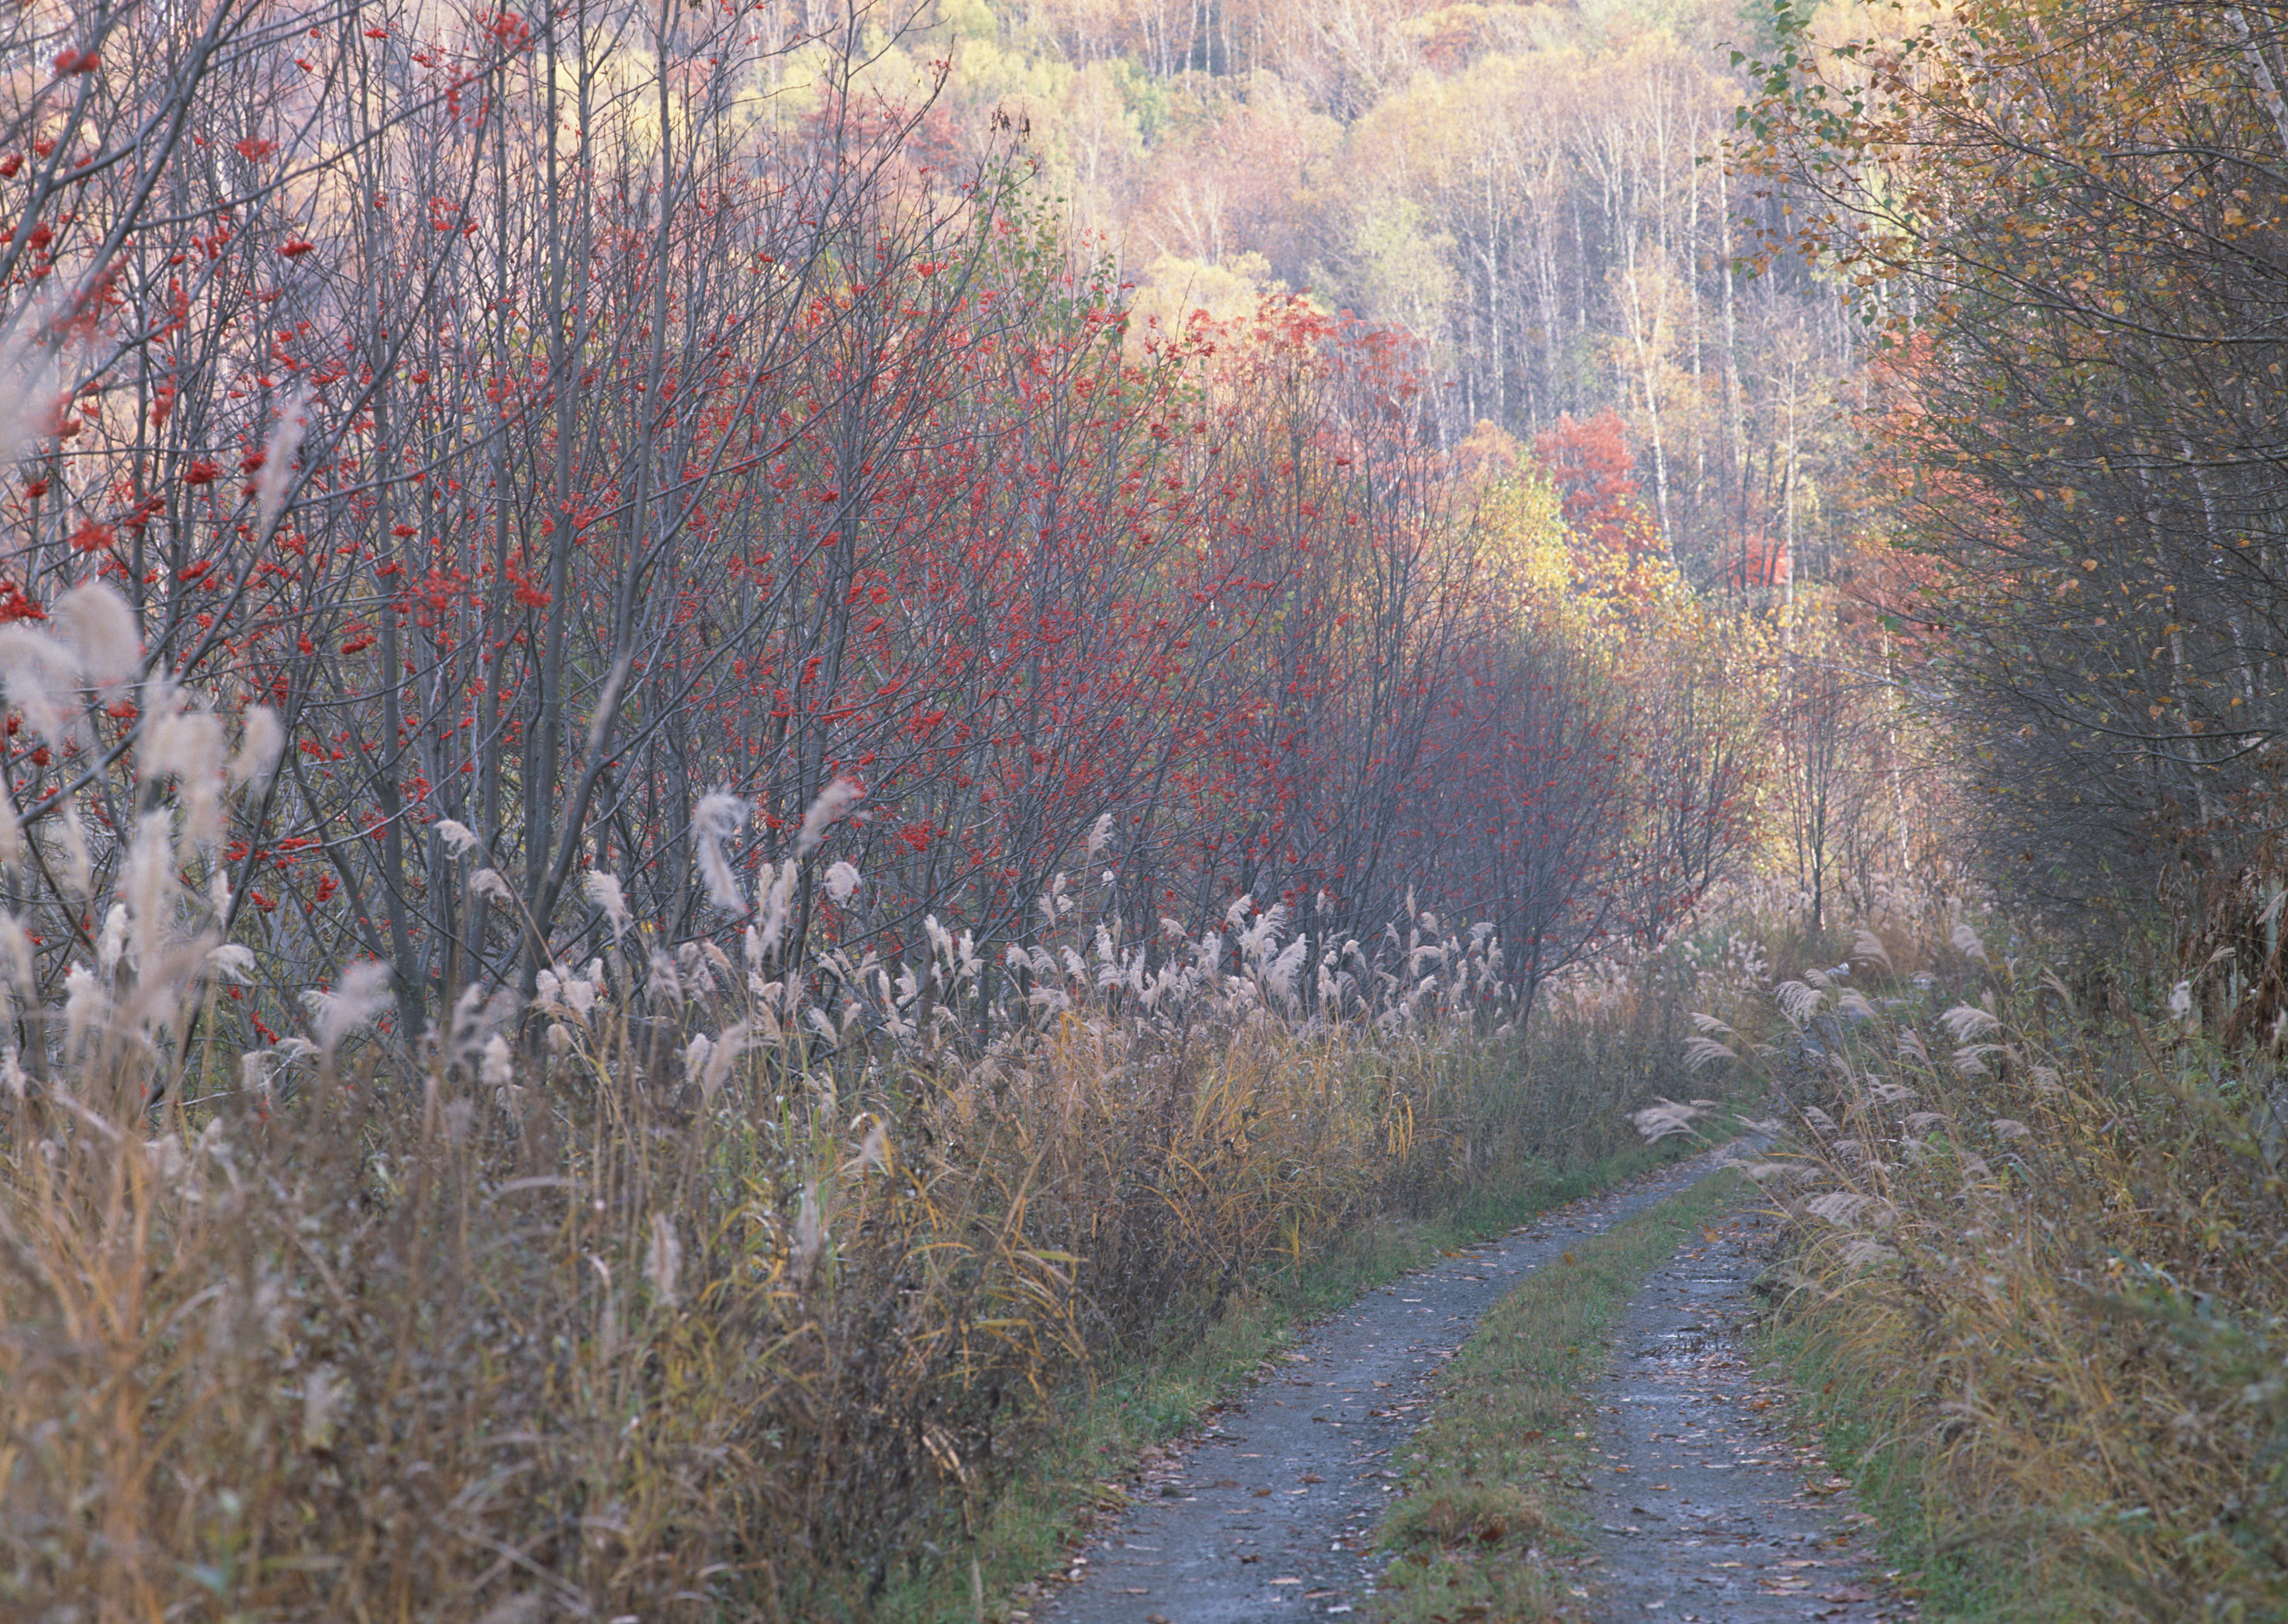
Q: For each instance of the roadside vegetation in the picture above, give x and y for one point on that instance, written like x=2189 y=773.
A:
x=562 y=1331
x=2041 y=1193
x=2041 y=1254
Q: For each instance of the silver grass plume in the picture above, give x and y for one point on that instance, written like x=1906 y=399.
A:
x=361 y=993
x=276 y=476
x=832 y=806
x=717 y=819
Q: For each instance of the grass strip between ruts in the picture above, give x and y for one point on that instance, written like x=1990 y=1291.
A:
x=1488 y=1526
x=1078 y=1454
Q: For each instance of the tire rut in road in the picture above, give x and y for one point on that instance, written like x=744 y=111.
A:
x=1269 y=1512
x=1711 y=1508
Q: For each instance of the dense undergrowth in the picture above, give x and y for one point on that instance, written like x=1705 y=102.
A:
x=2041 y=1277
x=690 y=1308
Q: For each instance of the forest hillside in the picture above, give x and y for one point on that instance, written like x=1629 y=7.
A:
x=1530 y=192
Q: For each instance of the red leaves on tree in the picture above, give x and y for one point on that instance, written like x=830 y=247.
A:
x=15 y=606
x=1590 y=463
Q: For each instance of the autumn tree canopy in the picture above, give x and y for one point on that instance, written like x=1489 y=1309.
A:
x=2064 y=219
x=640 y=478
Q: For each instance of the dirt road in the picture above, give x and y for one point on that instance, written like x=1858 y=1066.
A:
x=1270 y=1514
x=1710 y=1508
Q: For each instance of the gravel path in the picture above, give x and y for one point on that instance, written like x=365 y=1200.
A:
x=1269 y=1513
x=1709 y=1509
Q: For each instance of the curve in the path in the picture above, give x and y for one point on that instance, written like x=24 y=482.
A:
x=1269 y=1513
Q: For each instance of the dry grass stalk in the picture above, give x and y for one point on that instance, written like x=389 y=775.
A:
x=733 y=1297
x=2057 y=1241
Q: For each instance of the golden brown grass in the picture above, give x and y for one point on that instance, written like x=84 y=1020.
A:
x=2048 y=1245
x=613 y=1331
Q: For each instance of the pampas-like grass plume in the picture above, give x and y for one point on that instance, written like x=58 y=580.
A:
x=262 y=740
x=1665 y=1117
x=809 y=1231
x=85 y=1004
x=30 y=388
x=663 y=1260
x=96 y=625
x=777 y=903
x=78 y=874
x=186 y=745
x=361 y=993
x=1797 y=1003
x=717 y=819
x=603 y=889
x=1966 y=1021
x=276 y=476
x=41 y=677
x=459 y=838
x=1838 y=1206
x=832 y=806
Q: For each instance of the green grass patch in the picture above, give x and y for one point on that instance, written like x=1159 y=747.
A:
x=1490 y=1521
x=1074 y=1458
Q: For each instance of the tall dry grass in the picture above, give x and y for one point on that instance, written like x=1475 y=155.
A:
x=2048 y=1235
x=721 y=1289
